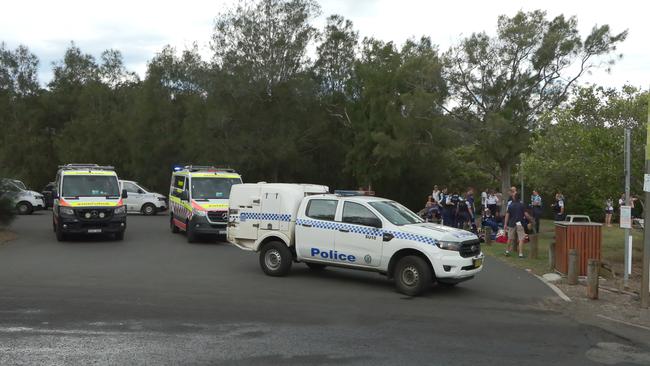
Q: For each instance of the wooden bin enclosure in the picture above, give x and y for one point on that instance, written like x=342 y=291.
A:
x=585 y=237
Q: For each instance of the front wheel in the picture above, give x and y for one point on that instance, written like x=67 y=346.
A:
x=148 y=209
x=60 y=235
x=191 y=233
x=412 y=275
x=24 y=208
x=275 y=259
x=173 y=226
x=119 y=236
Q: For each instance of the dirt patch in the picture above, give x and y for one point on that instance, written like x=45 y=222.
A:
x=6 y=236
x=612 y=303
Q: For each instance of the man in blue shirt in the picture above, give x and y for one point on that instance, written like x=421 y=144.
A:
x=514 y=222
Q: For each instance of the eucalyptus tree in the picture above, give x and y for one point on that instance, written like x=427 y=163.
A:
x=500 y=84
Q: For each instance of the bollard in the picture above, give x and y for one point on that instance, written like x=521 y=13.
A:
x=573 y=267
x=533 y=246
x=592 y=279
x=551 y=255
x=488 y=235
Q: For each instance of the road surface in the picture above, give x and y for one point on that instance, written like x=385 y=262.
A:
x=155 y=299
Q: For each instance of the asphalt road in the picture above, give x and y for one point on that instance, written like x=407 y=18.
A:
x=155 y=299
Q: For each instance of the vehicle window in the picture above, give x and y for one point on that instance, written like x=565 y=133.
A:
x=355 y=213
x=130 y=187
x=213 y=187
x=322 y=209
x=90 y=185
x=395 y=213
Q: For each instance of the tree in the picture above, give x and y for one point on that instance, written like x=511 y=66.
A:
x=265 y=41
x=501 y=84
x=336 y=55
x=580 y=149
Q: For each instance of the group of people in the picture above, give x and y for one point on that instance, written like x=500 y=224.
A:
x=458 y=210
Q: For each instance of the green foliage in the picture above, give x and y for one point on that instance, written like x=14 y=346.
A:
x=580 y=151
x=360 y=114
x=7 y=212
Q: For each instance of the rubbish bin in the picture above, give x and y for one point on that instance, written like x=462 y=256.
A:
x=585 y=237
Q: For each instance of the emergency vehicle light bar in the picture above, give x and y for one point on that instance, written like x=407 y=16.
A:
x=86 y=166
x=347 y=193
x=194 y=168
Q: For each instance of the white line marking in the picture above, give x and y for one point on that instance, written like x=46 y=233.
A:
x=623 y=322
x=555 y=289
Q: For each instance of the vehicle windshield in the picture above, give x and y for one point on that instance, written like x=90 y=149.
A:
x=20 y=185
x=90 y=185
x=212 y=187
x=395 y=213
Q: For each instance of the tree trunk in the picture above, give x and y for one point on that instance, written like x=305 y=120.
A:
x=505 y=185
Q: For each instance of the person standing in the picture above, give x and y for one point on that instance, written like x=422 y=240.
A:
x=559 y=208
x=536 y=204
x=492 y=202
x=514 y=222
x=436 y=194
x=484 y=196
x=609 y=211
x=445 y=203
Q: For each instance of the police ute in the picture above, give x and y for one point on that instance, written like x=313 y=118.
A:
x=289 y=223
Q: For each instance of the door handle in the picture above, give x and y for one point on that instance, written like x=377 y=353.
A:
x=344 y=230
x=306 y=225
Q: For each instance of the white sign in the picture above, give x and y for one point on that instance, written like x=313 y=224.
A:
x=646 y=182
x=626 y=217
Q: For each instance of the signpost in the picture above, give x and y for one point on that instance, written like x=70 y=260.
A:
x=645 y=280
x=628 y=214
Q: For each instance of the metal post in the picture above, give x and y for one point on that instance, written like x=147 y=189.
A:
x=521 y=176
x=645 y=280
x=533 y=246
x=628 y=239
x=592 y=279
x=551 y=255
x=572 y=274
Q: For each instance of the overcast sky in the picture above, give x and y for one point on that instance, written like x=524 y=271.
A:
x=139 y=29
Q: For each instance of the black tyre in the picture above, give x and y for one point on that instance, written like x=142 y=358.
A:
x=191 y=234
x=412 y=275
x=24 y=208
x=60 y=235
x=275 y=259
x=173 y=226
x=149 y=209
x=315 y=266
x=119 y=236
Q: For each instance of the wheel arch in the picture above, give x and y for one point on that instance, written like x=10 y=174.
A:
x=403 y=253
x=275 y=236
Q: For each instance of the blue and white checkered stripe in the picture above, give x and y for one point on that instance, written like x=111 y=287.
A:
x=365 y=230
x=243 y=216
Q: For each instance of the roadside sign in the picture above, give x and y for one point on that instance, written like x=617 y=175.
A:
x=626 y=217
x=646 y=182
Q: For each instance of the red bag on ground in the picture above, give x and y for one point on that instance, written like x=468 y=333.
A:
x=502 y=237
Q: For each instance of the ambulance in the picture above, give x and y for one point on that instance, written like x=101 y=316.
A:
x=287 y=223
x=87 y=200
x=198 y=200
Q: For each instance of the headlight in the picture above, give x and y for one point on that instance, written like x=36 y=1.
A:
x=199 y=212
x=120 y=210
x=448 y=245
x=66 y=211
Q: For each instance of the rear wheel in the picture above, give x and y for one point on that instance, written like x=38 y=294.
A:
x=315 y=266
x=275 y=259
x=412 y=275
x=24 y=208
x=173 y=226
x=148 y=209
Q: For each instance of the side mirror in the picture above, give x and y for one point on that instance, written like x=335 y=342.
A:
x=184 y=196
x=140 y=191
x=125 y=194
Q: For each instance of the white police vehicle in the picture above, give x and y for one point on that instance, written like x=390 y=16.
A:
x=288 y=223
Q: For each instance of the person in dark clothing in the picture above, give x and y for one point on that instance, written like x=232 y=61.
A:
x=447 y=208
x=559 y=210
x=514 y=222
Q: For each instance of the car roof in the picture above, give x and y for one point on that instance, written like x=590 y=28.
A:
x=207 y=174
x=359 y=198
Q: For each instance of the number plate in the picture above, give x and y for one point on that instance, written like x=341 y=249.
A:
x=94 y=231
x=478 y=262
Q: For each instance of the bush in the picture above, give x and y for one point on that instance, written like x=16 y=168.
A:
x=7 y=213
